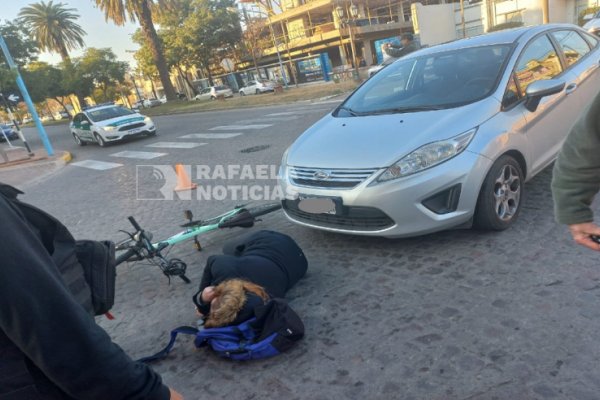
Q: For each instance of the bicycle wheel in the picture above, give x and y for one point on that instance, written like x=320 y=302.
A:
x=264 y=209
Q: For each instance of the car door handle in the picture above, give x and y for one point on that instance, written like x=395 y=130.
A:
x=571 y=88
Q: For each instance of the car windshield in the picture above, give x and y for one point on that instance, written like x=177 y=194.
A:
x=433 y=81
x=220 y=88
x=108 y=113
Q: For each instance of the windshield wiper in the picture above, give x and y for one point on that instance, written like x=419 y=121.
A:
x=399 y=110
x=351 y=111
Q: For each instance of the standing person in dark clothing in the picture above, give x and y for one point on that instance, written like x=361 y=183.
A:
x=264 y=264
x=50 y=346
x=576 y=178
x=408 y=46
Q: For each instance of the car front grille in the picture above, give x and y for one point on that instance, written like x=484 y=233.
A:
x=132 y=126
x=352 y=218
x=329 y=178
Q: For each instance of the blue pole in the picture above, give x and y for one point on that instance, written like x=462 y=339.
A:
x=27 y=98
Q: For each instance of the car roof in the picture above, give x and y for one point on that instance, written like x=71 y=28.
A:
x=100 y=107
x=507 y=36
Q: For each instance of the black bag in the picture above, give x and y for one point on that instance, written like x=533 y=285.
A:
x=98 y=262
x=86 y=266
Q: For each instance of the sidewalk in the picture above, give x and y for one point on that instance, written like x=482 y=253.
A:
x=22 y=171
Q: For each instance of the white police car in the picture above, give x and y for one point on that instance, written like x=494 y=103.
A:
x=109 y=123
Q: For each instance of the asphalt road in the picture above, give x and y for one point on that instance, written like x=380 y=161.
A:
x=454 y=315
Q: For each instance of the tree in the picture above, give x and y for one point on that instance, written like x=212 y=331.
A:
x=54 y=27
x=143 y=10
x=105 y=71
x=213 y=26
x=23 y=51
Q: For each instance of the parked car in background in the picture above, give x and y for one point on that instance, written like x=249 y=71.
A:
x=148 y=103
x=212 y=92
x=593 y=24
x=7 y=132
x=109 y=123
x=445 y=137
x=27 y=120
x=258 y=87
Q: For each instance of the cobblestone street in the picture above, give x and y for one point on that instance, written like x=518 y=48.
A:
x=455 y=315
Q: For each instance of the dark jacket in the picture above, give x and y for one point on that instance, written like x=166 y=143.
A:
x=50 y=346
x=269 y=259
x=397 y=52
x=576 y=176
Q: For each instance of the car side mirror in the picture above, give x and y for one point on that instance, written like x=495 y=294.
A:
x=540 y=89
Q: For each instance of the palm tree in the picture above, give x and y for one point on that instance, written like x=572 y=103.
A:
x=53 y=27
x=121 y=10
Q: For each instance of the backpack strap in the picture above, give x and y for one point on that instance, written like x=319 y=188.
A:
x=186 y=330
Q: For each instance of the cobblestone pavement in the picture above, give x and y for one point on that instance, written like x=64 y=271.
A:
x=454 y=315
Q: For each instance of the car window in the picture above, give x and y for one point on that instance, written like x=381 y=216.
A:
x=220 y=88
x=204 y=91
x=572 y=45
x=511 y=95
x=538 y=61
x=592 y=40
x=103 y=114
x=251 y=83
x=77 y=118
x=435 y=80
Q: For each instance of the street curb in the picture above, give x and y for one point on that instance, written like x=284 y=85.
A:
x=26 y=173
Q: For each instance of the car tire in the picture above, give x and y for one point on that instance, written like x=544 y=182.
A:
x=242 y=93
x=78 y=140
x=501 y=195
x=99 y=140
x=257 y=91
x=213 y=98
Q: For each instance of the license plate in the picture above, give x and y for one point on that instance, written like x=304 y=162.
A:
x=317 y=205
x=132 y=131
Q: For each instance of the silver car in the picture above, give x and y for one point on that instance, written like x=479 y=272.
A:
x=445 y=137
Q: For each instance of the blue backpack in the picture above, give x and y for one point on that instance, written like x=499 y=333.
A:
x=274 y=329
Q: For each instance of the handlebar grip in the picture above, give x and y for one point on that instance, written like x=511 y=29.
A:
x=125 y=256
x=134 y=223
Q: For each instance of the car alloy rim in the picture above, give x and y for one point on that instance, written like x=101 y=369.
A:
x=507 y=192
x=77 y=140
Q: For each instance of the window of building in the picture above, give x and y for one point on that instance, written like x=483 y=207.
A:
x=538 y=61
x=572 y=45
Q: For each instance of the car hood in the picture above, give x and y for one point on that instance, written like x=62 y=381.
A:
x=591 y=24
x=119 y=121
x=380 y=140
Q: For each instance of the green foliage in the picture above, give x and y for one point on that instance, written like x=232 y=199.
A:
x=103 y=68
x=506 y=25
x=53 y=27
x=22 y=48
x=583 y=13
x=43 y=81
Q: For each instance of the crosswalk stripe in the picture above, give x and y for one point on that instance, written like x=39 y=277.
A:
x=239 y=127
x=141 y=155
x=176 y=145
x=209 y=136
x=97 y=165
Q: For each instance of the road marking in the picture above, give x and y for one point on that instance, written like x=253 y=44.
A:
x=141 y=155
x=176 y=145
x=239 y=127
x=280 y=114
x=97 y=165
x=209 y=135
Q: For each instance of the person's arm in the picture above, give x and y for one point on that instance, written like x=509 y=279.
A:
x=40 y=316
x=394 y=51
x=576 y=177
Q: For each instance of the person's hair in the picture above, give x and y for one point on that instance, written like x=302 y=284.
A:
x=230 y=298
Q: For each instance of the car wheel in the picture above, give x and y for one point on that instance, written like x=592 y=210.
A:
x=242 y=93
x=501 y=195
x=78 y=140
x=257 y=91
x=99 y=139
x=213 y=98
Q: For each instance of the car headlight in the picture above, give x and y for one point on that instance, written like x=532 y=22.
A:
x=109 y=128
x=147 y=120
x=428 y=156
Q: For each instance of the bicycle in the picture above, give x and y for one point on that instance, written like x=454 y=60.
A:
x=138 y=246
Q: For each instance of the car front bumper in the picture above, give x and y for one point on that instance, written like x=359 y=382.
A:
x=395 y=208
x=116 y=135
